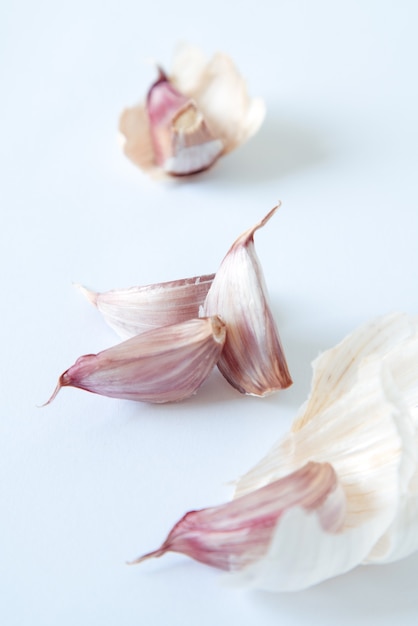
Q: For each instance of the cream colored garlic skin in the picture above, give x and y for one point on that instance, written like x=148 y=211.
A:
x=253 y=359
x=358 y=427
x=192 y=117
x=163 y=365
x=234 y=535
x=136 y=310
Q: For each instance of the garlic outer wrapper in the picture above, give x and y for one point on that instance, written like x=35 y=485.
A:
x=365 y=430
x=136 y=310
x=252 y=360
x=167 y=364
x=198 y=113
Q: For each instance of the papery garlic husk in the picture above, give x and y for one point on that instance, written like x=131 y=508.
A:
x=136 y=310
x=163 y=365
x=234 y=535
x=362 y=418
x=253 y=359
x=361 y=423
x=198 y=113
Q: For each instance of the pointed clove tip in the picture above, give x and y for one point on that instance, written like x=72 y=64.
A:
x=150 y=555
x=91 y=296
x=271 y=213
x=248 y=234
x=60 y=384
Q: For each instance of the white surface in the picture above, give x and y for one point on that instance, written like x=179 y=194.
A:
x=90 y=482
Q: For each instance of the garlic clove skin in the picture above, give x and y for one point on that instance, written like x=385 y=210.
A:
x=136 y=139
x=234 y=535
x=167 y=364
x=400 y=380
x=336 y=370
x=136 y=310
x=252 y=360
x=182 y=141
x=220 y=93
x=191 y=117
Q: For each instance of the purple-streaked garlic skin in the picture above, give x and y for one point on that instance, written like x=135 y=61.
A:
x=234 y=535
x=182 y=141
x=167 y=364
x=136 y=310
x=253 y=359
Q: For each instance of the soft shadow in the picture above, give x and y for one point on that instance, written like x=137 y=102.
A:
x=279 y=149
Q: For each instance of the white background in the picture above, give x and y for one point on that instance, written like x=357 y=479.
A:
x=90 y=482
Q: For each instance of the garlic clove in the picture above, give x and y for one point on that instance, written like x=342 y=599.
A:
x=190 y=118
x=234 y=535
x=163 y=365
x=182 y=142
x=136 y=310
x=252 y=360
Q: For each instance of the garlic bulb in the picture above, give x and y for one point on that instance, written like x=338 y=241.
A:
x=190 y=118
x=252 y=360
x=358 y=434
x=136 y=310
x=162 y=365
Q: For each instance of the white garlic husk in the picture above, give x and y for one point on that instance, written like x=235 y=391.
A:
x=362 y=418
x=191 y=117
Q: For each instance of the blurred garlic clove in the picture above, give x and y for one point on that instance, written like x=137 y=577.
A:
x=192 y=117
x=136 y=310
x=163 y=365
x=234 y=535
x=181 y=139
x=252 y=360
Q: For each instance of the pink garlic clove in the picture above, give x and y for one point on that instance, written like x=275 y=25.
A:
x=163 y=365
x=234 y=535
x=136 y=310
x=252 y=360
x=182 y=141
